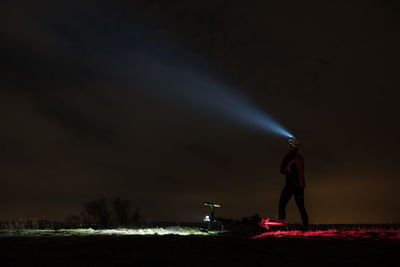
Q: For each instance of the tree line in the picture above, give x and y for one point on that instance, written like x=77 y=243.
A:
x=100 y=213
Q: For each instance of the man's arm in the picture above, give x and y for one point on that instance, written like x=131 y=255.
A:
x=284 y=163
x=300 y=166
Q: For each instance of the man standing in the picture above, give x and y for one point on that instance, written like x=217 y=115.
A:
x=293 y=167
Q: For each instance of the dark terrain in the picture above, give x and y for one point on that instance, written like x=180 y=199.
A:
x=217 y=250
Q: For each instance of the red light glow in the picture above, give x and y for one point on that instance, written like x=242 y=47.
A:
x=348 y=234
x=266 y=223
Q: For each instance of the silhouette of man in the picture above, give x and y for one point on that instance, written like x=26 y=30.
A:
x=293 y=167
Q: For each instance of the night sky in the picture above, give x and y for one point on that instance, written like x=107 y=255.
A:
x=96 y=101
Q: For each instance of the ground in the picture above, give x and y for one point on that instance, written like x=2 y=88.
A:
x=110 y=249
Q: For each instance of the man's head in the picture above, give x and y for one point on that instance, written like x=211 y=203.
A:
x=294 y=144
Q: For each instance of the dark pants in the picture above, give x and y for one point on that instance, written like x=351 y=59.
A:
x=298 y=193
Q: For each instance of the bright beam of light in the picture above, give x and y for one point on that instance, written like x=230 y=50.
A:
x=206 y=94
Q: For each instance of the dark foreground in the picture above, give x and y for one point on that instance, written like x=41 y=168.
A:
x=323 y=246
x=195 y=251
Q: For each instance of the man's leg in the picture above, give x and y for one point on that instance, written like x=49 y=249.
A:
x=299 y=197
x=283 y=201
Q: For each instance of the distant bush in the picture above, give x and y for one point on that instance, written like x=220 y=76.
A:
x=100 y=214
x=97 y=212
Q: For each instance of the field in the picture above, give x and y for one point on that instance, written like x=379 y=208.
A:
x=187 y=246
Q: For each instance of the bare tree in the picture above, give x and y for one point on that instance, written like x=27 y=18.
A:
x=122 y=209
x=135 y=215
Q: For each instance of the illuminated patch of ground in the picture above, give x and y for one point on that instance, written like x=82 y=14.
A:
x=334 y=234
x=184 y=231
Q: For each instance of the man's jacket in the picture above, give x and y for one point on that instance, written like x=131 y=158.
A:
x=293 y=167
